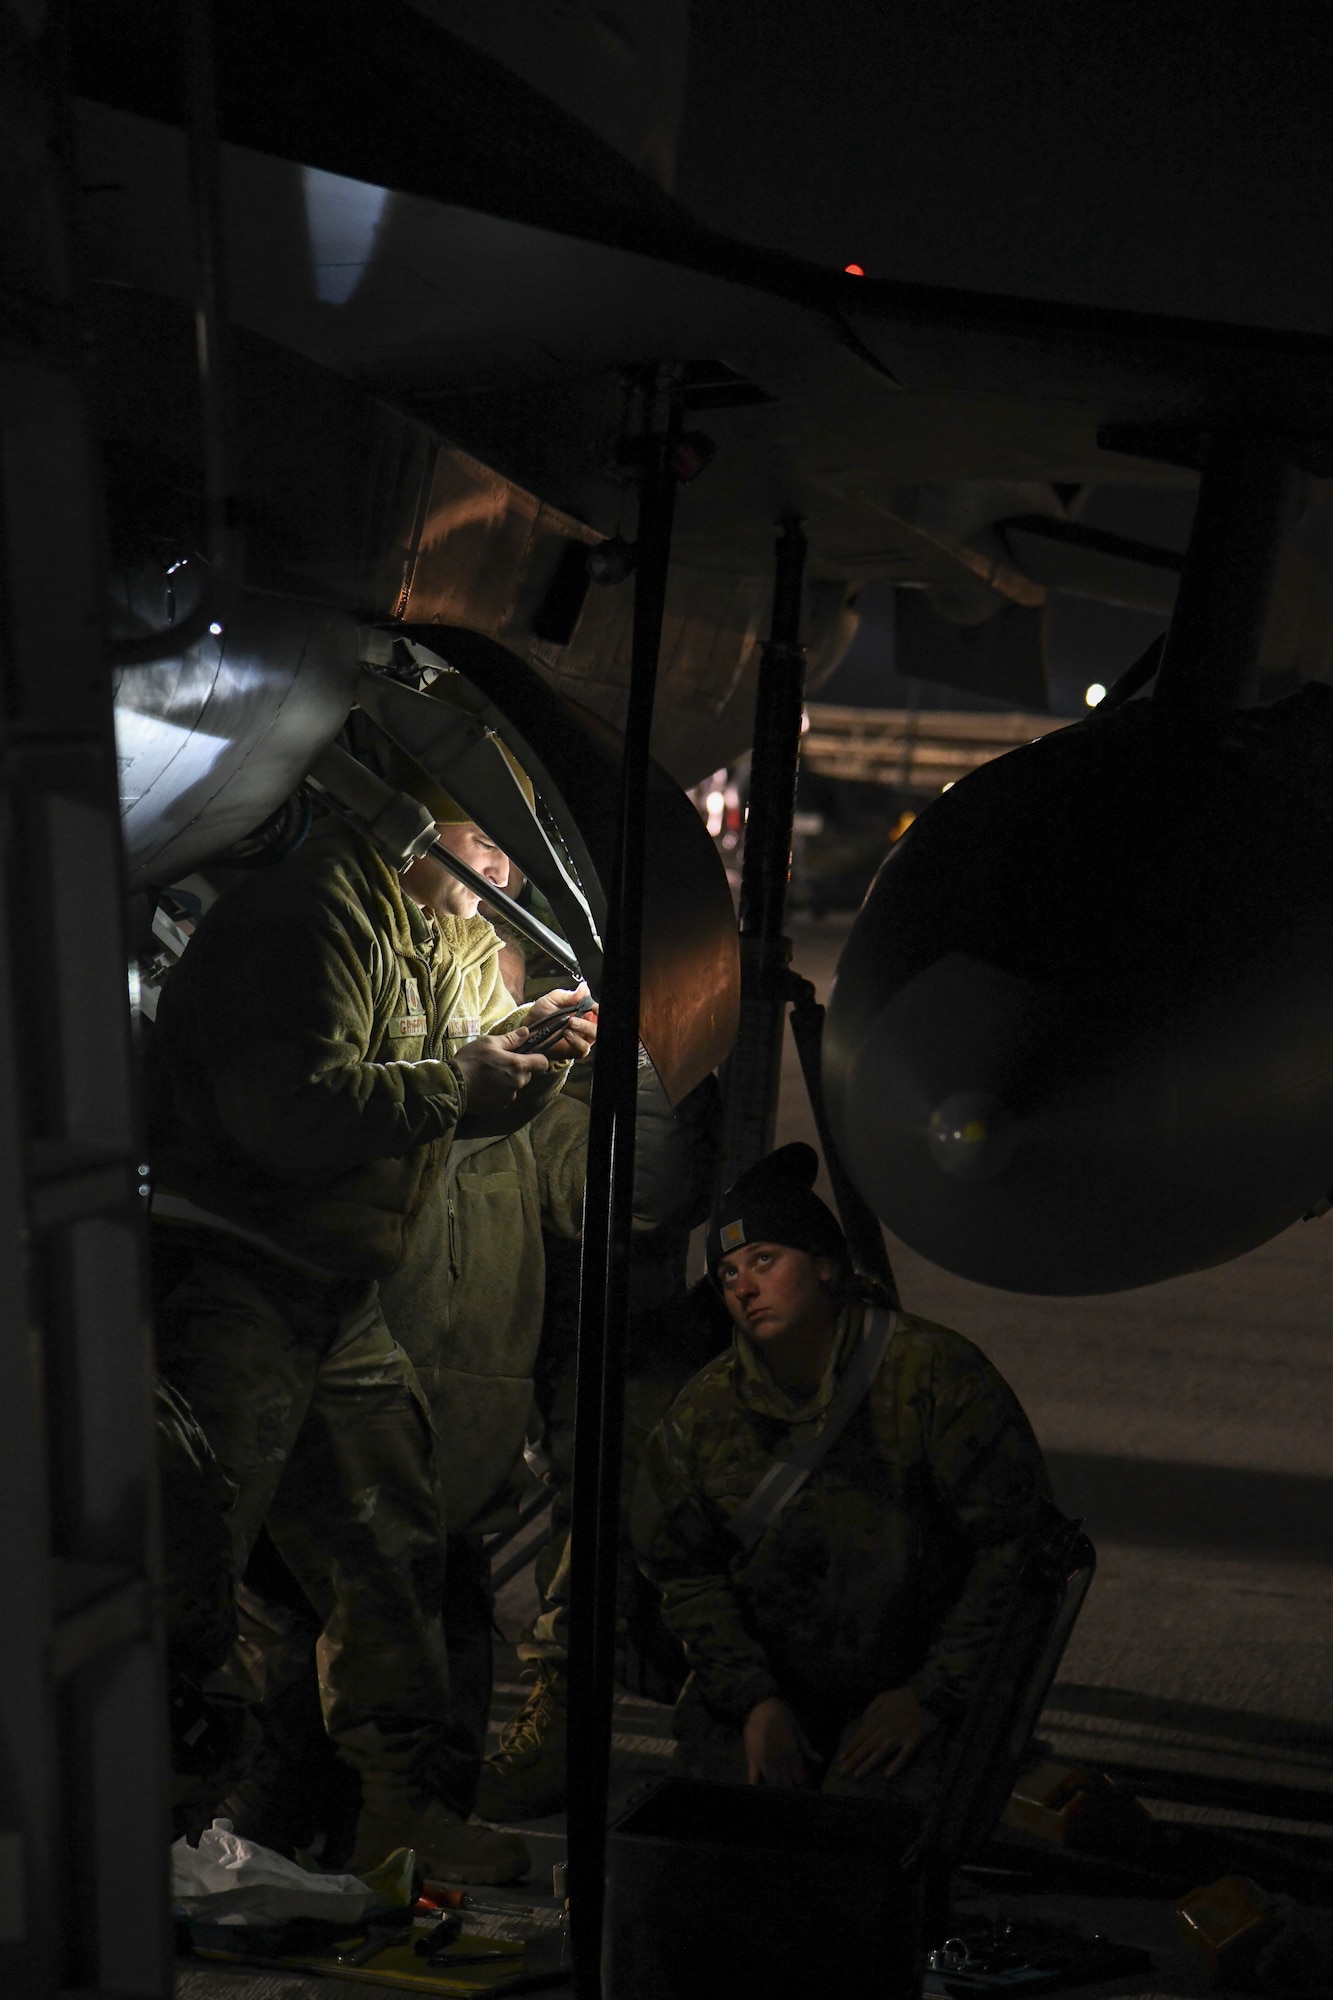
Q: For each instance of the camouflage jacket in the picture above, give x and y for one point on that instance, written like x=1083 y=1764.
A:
x=893 y=1562
x=299 y=1081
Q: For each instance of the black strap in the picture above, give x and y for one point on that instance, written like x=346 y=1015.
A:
x=783 y=1481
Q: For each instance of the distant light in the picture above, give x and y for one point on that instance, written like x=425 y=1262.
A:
x=949 y=787
x=215 y=629
x=1095 y=694
x=715 y=805
x=805 y=720
x=853 y=271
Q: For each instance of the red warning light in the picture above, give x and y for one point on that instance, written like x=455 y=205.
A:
x=853 y=271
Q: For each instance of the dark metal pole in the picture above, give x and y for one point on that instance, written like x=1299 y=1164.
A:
x=607 y=1217
x=1137 y=675
x=860 y=1224
x=211 y=353
x=1247 y=497
x=753 y=1071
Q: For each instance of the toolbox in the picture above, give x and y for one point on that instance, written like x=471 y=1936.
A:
x=719 y=1888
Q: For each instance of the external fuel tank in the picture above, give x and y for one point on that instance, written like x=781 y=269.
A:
x=1081 y=1036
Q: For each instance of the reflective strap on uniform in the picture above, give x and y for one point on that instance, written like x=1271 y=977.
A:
x=785 y=1479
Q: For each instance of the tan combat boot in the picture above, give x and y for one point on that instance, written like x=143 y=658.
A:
x=525 y=1779
x=448 y=1847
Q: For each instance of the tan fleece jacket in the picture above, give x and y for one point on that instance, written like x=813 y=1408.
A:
x=299 y=1081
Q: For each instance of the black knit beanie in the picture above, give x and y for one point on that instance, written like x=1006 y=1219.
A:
x=775 y=1202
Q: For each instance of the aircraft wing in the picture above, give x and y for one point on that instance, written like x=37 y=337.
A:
x=408 y=214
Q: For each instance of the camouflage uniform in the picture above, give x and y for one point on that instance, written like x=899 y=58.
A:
x=467 y=1307
x=891 y=1565
x=299 y=1079
x=197 y=1578
x=666 y=1338
x=301 y=1107
x=207 y=1736
x=674 y=1161
x=466 y=1302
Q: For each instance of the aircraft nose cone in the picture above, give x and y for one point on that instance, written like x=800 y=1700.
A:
x=1081 y=1036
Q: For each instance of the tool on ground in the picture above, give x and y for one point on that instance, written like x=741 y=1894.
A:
x=445 y=1897
x=369 y=1947
x=475 y=1958
x=1022 y=1955
x=443 y=1934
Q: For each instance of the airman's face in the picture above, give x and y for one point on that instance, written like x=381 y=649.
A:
x=774 y=1291
x=432 y=884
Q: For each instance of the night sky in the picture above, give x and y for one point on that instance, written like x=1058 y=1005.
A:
x=1166 y=159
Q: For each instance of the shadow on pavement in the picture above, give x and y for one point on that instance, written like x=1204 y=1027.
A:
x=1163 y=1504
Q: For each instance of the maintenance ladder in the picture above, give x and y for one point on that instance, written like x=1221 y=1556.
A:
x=84 y=1907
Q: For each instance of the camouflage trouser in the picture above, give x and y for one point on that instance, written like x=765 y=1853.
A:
x=710 y=1748
x=469 y=1614
x=315 y=1414
x=197 y=1576
x=295 y=1768
x=209 y=1738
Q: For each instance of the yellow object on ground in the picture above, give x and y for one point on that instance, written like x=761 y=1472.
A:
x=393 y=1883
x=398 y=1965
x=1078 y=1808
x=1222 y=1928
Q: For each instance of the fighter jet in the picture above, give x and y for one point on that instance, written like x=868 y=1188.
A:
x=441 y=292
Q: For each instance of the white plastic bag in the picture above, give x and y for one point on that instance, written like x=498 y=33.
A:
x=227 y=1880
